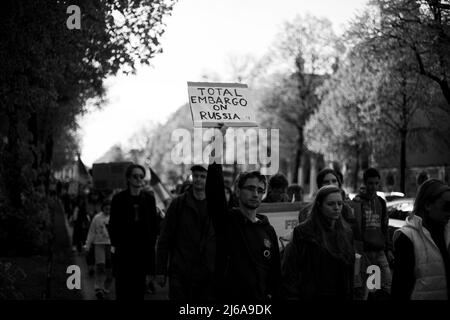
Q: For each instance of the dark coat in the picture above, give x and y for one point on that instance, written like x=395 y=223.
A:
x=134 y=240
x=309 y=271
x=186 y=249
x=247 y=257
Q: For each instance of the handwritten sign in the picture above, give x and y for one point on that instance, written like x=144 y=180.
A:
x=214 y=103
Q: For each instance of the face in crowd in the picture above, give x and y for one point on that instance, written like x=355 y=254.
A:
x=106 y=209
x=372 y=185
x=136 y=178
x=439 y=209
x=251 y=193
x=433 y=201
x=331 y=206
x=277 y=194
x=199 y=180
x=330 y=179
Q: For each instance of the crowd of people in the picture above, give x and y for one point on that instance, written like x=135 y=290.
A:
x=213 y=245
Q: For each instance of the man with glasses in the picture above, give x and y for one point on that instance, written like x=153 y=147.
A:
x=247 y=255
x=133 y=229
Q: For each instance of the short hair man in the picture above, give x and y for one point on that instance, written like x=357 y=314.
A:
x=247 y=257
x=187 y=244
x=277 y=192
x=133 y=230
x=372 y=225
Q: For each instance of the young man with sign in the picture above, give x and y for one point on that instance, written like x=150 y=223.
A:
x=247 y=255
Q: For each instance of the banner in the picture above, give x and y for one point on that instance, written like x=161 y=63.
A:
x=283 y=216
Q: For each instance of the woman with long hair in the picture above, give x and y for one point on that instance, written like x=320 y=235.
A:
x=325 y=177
x=319 y=261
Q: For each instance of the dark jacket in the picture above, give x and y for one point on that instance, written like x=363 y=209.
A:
x=247 y=257
x=187 y=240
x=309 y=271
x=133 y=234
x=375 y=237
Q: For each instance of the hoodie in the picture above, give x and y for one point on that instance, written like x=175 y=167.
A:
x=372 y=222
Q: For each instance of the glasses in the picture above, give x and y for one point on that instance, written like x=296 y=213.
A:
x=253 y=189
x=137 y=176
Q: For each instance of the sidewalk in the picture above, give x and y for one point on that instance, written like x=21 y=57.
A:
x=87 y=282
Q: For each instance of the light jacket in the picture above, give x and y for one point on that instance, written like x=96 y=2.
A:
x=429 y=267
x=98 y=232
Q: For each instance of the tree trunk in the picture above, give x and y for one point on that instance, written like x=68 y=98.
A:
x=313 y=175
x=355 y=174
x=12 y=177
x=446 y=91
x=403 y=161
x=298 y=155
x=33 y=128
x=48 y=156
x=297 y=163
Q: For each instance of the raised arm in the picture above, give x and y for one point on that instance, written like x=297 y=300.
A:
x=215 y=190
x=215 y=196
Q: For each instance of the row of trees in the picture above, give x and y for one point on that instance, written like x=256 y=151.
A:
x=49 y=72
x=379 y=88
x=364 y=97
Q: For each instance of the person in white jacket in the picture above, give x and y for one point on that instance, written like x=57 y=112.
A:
x=99 y=237
x=422 y=247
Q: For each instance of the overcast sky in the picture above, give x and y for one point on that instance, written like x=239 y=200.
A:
x=200 y=37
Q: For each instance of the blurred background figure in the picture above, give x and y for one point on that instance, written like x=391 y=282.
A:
x=277 y=190
x=423 y=176
x=93 y=206
x=98 y=237
x=295 y=193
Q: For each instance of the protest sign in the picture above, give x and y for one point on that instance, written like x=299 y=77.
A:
x=214 y=103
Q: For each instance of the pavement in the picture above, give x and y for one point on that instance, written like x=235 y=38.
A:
x=87 y=281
